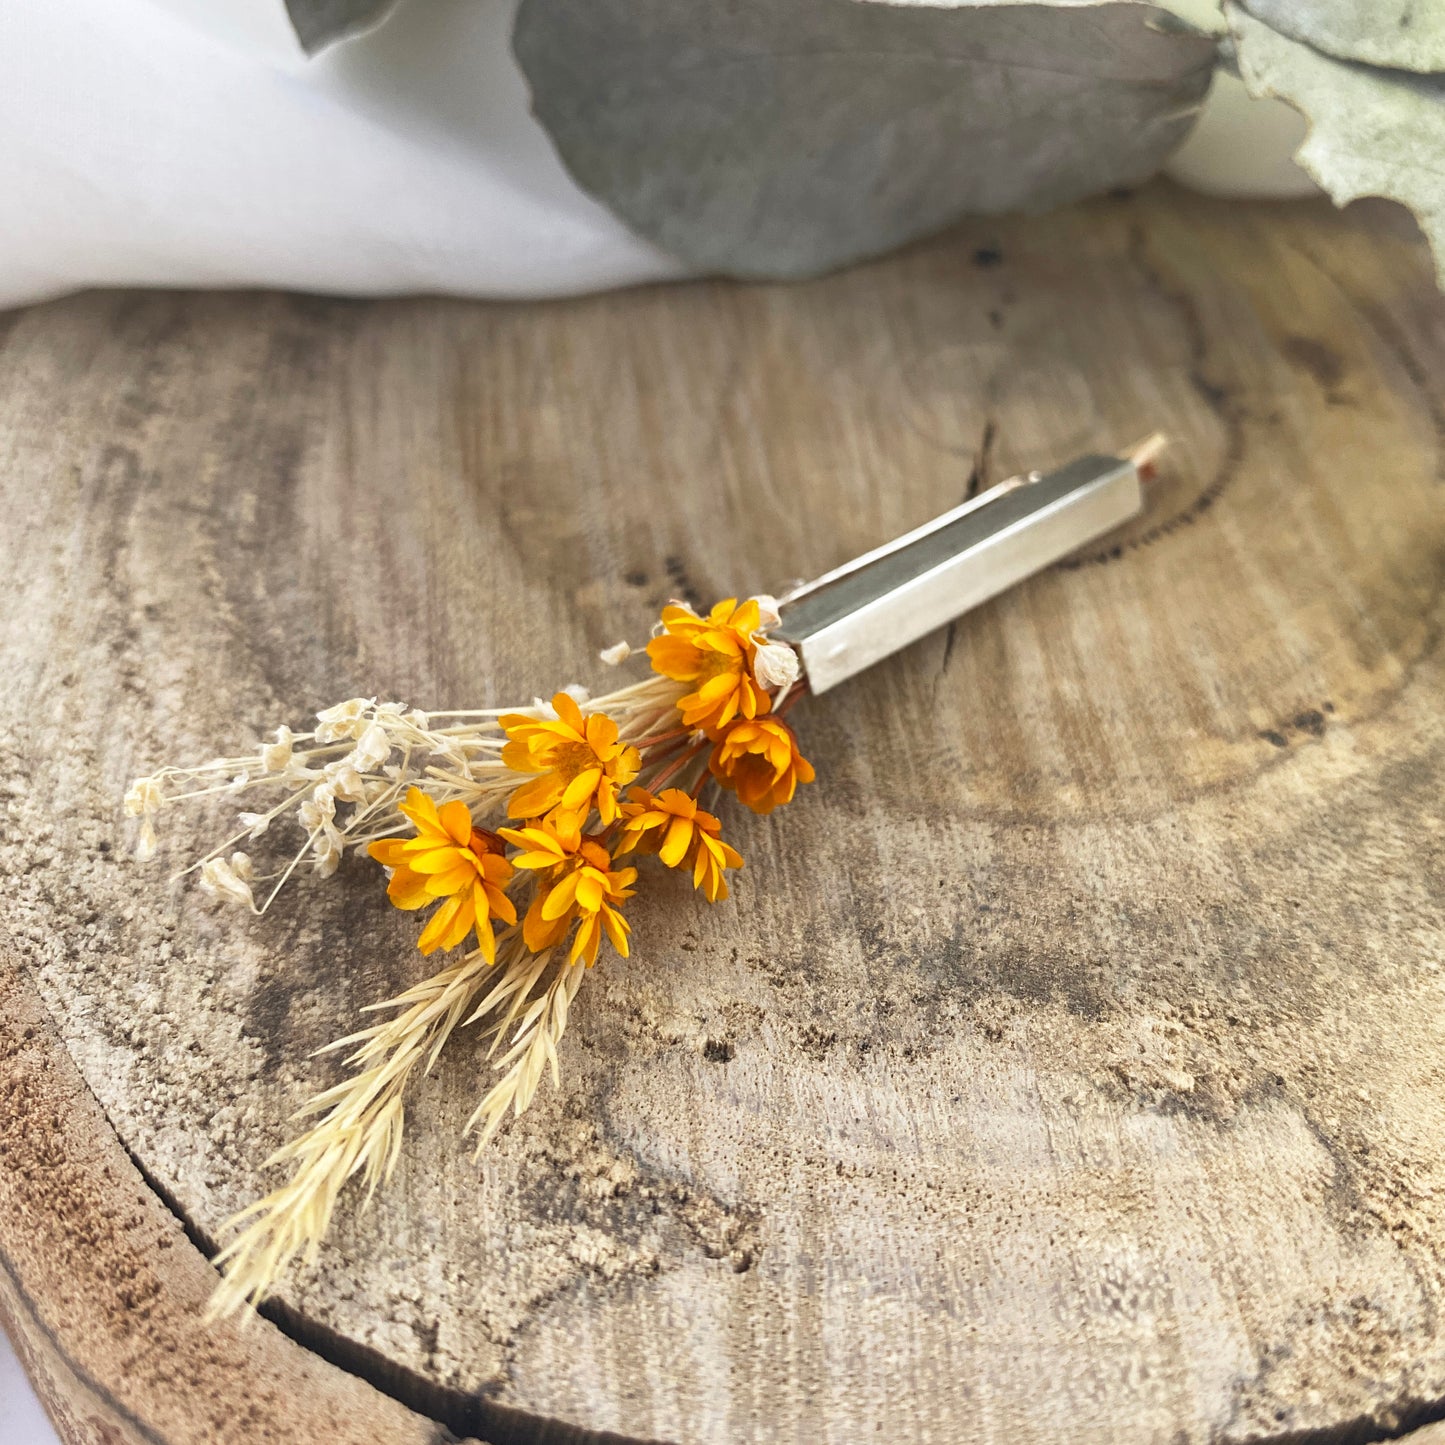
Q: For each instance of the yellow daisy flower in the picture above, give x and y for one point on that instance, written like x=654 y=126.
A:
x=759 y=761
x=673 y=826
x=580 y=762
x=716 y=653
x=452 y=861
x=576 y=883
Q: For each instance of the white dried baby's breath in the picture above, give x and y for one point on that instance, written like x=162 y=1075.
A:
x=775 y=664
x=767 y=611
x=326 y=854
x=297 y=775
x=321 y=784
x=229 y=881
x=372 y=749
x=345 y=783
x=579 y=694
x=319 y=809
x=276 y=756
x=617 y=654
x=346 y=720
x=143 y=796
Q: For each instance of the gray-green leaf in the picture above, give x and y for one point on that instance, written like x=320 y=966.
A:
x=1372 y=132
x=782 y=138
x=1405 y=34
x=319 y=23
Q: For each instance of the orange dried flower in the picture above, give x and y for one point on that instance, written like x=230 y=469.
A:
x=452 y=861
x=672 y=825
x=581 y=763
x=759 y=760
x=576 y=882
x=716 y=654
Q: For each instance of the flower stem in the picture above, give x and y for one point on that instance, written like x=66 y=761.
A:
x=799 y=692
x=675 y=767
x=657 y=738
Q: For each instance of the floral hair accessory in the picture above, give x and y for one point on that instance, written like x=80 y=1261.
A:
x=523 y=833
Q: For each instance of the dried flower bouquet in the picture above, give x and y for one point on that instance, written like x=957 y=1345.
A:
x=519 y=830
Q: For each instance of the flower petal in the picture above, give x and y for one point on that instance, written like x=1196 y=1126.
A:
x=436 y=860
x=496 y=869
x=601 y=733
x=539 y=933
x=387 y=852
x=438 y=925
x=675 y=657
x=534 y=799
x=500 y=904
x=617 y=929
x=456 y=821
x=560 y=897
x=588 y=936
x=565 y=706
x=457 y=880
x=581 y=789
x=486 y=938
x=674 y=847
x=408 y=890
x=590 y=889
x=421 y=810
x=747 y=618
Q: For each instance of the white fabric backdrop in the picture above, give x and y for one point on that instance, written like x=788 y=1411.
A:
x=149 y=142
x=165 y=142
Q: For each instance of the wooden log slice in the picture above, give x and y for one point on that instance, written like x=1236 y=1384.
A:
x=1067 y=1063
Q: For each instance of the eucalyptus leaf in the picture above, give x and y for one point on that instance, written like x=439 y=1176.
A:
x=783 y=138
x=1372 y=132
x=319 y=23
x=1405 y=34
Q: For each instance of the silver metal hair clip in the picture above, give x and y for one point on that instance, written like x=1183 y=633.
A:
x=869 y=608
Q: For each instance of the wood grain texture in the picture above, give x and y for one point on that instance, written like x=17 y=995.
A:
x=101 y=1290
x=1067 y=1065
